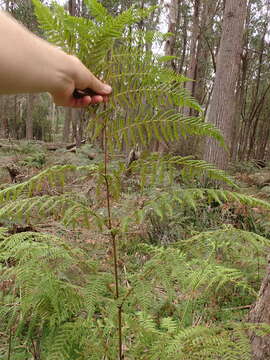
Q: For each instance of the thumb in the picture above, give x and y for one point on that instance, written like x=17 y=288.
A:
x=98 y=86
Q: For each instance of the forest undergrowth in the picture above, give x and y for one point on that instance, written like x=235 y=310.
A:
x=188 y=273
x=152 y=260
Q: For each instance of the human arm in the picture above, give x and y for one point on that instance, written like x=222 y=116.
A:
x=29 y=64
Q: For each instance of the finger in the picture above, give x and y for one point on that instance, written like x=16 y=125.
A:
x=86 y=101
x=83 y=102
x=106 y=98
x=97 y=99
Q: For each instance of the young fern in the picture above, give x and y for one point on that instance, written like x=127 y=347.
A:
x=63 y=305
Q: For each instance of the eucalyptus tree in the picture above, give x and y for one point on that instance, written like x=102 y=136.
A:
x=223 y=106
x=253 y=124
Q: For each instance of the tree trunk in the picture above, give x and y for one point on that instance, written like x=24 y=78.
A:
x=193 y=58
x=67 y=123
x=4 y=128
x=169 y=47
x=181 y=67
x=29 y=117
x=260 y=313
x=203 y=51
x=222 y=107
x=72 y=7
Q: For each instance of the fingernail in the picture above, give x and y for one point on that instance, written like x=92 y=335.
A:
x=107 y=89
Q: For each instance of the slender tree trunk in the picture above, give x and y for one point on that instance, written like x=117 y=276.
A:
x=53 y=129
x=263 y=137
x=239 y=121
x=203 y=52
x=169 y=47
x=193 y=58
x=260 y=313
x=4 y=128
x=67 y=124
x=29 y=117
x=72 y=7
x=222 y=107
x=181 y=68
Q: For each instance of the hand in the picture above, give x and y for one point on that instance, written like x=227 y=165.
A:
x=77 y=76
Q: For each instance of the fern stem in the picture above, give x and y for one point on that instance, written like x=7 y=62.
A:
x=113 y=240
x=9 y=344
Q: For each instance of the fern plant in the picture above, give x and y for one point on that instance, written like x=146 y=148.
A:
x=58 y=303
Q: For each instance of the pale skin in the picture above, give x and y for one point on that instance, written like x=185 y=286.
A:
x=29 y=64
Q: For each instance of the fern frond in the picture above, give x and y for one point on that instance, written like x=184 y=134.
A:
x=193 y=198
x=207 y=343
x=229 y=236
x=157 y=169
x=67 y=207
x=144 y=91
x=54 y=176
x=207 y=276
x=51 y=25
x=143 y=88
x=97 y=10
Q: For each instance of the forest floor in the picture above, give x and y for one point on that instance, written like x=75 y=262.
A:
x=21 y=160
x=229 y=298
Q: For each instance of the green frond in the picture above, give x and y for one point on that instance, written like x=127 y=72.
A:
x=169 y=126
x=51 y=25
x=216 y=277
x=191 y=343
x=158 y=169
x=143 y=87
x=68 y=207
x=112 y=28
x=207 y=343
x=54 y=176
x=3 y=233
x=169 y=266
x=138 y=109
x=193 y=198
x=97 y=10
x=226 y=237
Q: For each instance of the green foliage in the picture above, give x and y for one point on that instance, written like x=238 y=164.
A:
x=58 y=300
x=36 y=160
x=53 y=176
x=63 y=302
x=146 y=97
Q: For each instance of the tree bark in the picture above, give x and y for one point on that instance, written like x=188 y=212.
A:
x=204 y=50
x=4 y=128
x=193 y=58
x=222 y=107
x=29 y=117
x=169 y=47
x=67 y=123
x=260 y=313
x=72 y=7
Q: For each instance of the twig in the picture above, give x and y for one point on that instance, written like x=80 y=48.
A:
x=239 y=307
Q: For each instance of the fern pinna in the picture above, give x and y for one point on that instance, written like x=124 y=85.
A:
x=58 y=299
